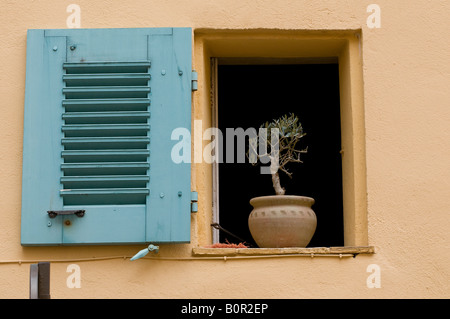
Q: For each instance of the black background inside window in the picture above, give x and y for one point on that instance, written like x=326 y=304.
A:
x=249 y=95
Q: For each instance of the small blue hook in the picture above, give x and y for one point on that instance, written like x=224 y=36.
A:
x=145 y=251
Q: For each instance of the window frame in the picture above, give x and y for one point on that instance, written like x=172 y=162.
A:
x=211 y=45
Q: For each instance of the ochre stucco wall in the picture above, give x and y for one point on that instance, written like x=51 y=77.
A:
x=406 y=70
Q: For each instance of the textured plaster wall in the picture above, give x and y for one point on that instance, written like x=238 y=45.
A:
x=406 y=70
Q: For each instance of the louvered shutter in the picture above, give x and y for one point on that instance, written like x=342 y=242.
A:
x=100 y=107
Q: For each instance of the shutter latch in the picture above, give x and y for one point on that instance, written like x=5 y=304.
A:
x=54 y=213
x=194 y=80
x=194 y=202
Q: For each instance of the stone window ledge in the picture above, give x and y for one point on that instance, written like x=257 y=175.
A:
x=310 y=252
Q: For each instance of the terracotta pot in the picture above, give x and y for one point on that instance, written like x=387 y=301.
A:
x=282 y=221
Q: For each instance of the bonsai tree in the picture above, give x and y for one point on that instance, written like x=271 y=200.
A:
x=279 y=138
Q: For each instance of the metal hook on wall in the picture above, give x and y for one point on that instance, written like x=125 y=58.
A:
x=145 y=251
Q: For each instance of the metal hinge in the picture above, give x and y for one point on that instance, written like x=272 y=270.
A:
x=194 y=80
x=194 y=202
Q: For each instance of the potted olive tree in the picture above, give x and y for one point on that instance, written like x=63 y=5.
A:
x=280 y=220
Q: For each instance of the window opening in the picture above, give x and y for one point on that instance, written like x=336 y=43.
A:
x=249 y=95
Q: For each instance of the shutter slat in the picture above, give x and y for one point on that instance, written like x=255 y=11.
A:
x=90 y=143
x=105 y=191
x=89 y=130
x=107 y=164
x=98 y=105
x=105 y=178
x=108 y=168
x=129 y=155
x=115 y=79
x=104 y=67
x=106 y=117
x=105 y=181
x=105 y=92
x=118 y=196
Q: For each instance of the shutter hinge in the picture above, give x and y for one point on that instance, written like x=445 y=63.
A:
x=194 y=202
x=194 y=80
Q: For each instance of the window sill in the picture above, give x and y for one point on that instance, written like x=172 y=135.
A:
x=309 y=252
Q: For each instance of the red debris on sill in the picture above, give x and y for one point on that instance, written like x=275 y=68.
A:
x=227 y=245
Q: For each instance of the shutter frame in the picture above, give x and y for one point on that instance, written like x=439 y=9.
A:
x=40 y=160
x=160 y=219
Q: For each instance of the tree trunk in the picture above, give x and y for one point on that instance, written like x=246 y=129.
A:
x=276 y=184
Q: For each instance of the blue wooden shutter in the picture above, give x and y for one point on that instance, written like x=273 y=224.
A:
x=100 y=108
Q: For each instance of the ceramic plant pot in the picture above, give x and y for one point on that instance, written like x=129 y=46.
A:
x=282 y=221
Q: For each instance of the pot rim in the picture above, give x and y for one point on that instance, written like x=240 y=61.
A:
x=282 y=200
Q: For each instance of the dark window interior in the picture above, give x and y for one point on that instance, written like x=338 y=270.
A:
x=249 y=95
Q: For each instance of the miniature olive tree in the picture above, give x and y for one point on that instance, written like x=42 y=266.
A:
x=278 y=143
